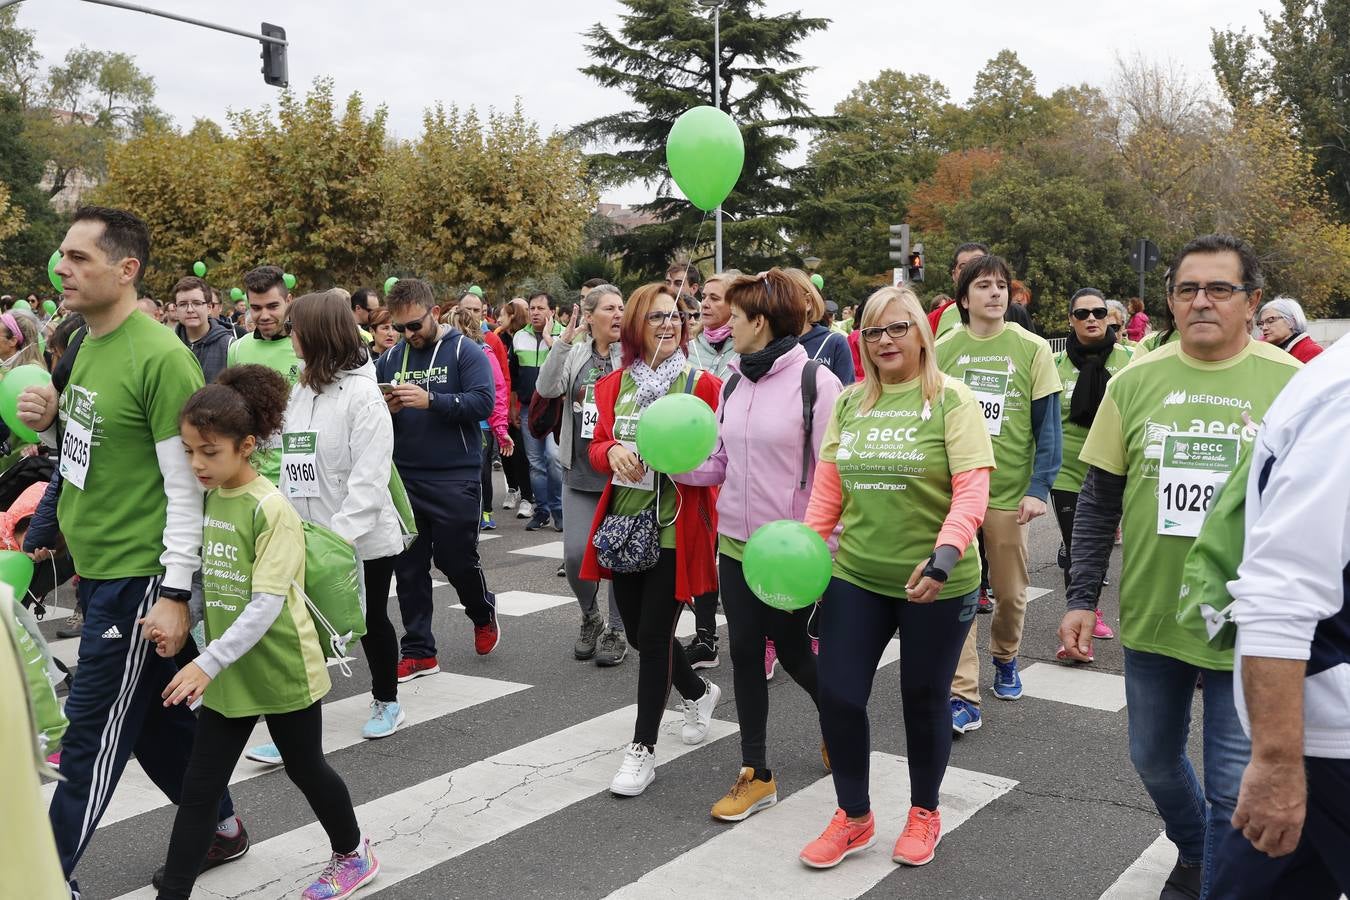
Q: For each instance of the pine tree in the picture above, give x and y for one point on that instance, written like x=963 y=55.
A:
x=661 y=56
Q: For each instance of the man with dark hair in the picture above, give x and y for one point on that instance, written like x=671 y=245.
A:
x=269 y=345
x=203 y=333
x=218 y=314
x=131 y=513
x=364 y=302
x=683 y=275
x=443 y=389
x=529 y=349
x=1166 y=436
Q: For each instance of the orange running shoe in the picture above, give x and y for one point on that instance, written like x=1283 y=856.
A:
x=840 y=838
x=918 y=842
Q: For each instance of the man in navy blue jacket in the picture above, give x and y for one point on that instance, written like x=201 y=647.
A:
x=438 y=385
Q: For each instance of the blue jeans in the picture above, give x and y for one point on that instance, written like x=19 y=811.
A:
x=546 y=474
x=1159 y=691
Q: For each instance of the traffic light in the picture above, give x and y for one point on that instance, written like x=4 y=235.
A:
x=274 y=57
x=900 y=243
x=916 y=263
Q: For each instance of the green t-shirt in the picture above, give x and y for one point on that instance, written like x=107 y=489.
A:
x=630 y=501
x=895 y=471
x=950 y=318
x=1073 y=470
x=1150 y=342
x=1162 y=393
x=1007 y=372
x=276 y=354
x=125 y=393
x=252 y=543
x=730 y=547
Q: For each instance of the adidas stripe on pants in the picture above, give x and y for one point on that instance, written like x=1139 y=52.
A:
x=114 y=709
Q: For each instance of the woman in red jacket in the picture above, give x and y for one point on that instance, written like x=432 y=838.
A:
x=650 y=596
x=1284 y=324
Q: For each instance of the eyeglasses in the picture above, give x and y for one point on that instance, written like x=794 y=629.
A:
x=414 y=325
x=660 y=318
x=895 y=330
x=1097 y=312
x=1218 y=291
x=1267 y=322
x=193 y=304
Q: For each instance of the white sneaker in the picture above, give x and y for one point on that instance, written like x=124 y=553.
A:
x=525 y=510
x=698 y=714
x=637 y=770
x=512 y=498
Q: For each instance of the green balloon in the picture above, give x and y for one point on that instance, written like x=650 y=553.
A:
x=51 y=270
x=14 y=383
x=477 y=291
x=199 y=269
x=705 y=152
x=16 y=570
x=786 y=565
x=676 y=433
x=22 y=304
x=236 y=294
x=49 y=307
x=289 y=280
x=819 y=281
x=389 y=284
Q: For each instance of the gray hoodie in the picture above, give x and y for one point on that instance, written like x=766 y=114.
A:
x=211 y=349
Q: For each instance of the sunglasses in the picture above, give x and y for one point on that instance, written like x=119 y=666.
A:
x=1097 y=312
x=415 y=325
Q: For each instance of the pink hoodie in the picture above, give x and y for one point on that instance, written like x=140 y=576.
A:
x=758 y=456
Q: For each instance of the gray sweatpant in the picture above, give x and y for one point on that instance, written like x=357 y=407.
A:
x=578 y=513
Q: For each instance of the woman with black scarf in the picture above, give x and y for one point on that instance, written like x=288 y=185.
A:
x=1091 y=358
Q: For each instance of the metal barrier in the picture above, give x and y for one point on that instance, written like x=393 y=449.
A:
x=1058 y=344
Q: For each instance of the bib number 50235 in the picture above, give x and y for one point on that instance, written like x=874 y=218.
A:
x=76 y=448
x=1194 y=468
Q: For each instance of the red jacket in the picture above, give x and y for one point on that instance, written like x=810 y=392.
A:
x=1303 y=348
x=696 y=522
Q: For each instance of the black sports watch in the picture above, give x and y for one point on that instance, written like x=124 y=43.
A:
x=179 y=594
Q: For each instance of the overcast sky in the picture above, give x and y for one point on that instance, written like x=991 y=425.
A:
x=409 y=54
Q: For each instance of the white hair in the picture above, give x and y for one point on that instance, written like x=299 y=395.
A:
x=1292 y=312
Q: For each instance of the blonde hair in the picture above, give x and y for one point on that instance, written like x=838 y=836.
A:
x=726 y=277
x=932 y=380
x=466 y=321
x=815 y=304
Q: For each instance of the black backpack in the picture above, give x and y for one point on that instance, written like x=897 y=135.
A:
x=808 y=410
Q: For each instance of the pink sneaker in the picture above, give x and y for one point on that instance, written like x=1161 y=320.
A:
x=770 y=660
x=345 y=874
x=815 y=646
x=1101 y=631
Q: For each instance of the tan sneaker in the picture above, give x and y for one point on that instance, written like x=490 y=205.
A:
x=746 y=797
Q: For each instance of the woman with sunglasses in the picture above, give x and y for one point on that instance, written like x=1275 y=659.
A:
x=764 y=464
x=906 y=445
x=1092 y=356
x=654 y=336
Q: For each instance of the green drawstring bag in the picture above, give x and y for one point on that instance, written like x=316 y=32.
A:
x=332 y=590
x=1204 y=607
x=41 y=675
x=403 y=507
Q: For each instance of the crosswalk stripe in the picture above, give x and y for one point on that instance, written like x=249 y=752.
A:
x=1145 y=876
x=423 y=699
x=551 y=550
x=449 y=815
x=685 y=627
x=765 y=846
x=1074 y=684
x=435 y=583
x=1035 y=593
x=522 y=603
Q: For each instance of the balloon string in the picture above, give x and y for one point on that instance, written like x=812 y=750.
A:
x=684 y=277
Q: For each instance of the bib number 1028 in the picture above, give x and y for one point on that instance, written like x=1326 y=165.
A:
x=1182 y=497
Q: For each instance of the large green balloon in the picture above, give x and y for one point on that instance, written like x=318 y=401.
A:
x=289 y=280
x=22 y=304
x=389 y=284
x=51 y=270
x=199 y=269
x=49 y=307
x=786 y=565
x=676 y=433
x=10 y=388
x=236 y=294
x=705 y=153
x=16 y=570
x=819 y=281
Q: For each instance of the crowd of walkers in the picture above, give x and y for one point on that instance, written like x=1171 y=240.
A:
x=919 y=444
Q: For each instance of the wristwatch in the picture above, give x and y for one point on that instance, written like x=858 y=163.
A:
x=932 y=571
x=179 y=594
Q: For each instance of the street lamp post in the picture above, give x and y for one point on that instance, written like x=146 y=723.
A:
x=716 y=7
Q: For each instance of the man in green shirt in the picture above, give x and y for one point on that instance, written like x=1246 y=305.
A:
x=1012 y=374
x=269 y=344
x=950 y=315
x=1164 y=440
x=131 y=513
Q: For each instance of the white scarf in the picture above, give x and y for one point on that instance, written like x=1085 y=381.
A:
x=652 y=384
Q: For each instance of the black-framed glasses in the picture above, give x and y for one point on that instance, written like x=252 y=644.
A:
x=414 y=325
x=660 y=318
x=1097 y=312
x=1218 y=291
x=895 y=330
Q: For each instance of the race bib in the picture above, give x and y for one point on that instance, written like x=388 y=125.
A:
x=590 y=413
x=1194 y=467
x=991 y=390
x=300 y=464
x=625 y=431
x=76 y=448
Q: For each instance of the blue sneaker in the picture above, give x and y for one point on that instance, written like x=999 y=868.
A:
x=1007 y=683
x=965 y=716
x=385 y=719
x=488 y=523
x=267 y=754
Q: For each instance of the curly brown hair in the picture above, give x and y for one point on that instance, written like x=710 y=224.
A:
x=243 y=400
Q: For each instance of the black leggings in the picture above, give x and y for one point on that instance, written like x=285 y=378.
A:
x=855 y=626
x=649 y=609
x=516 y=467
x=215 y=750
x=749 y=622
x=1065 y=504
x=380 y=643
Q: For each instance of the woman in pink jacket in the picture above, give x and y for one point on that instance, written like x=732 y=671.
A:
x=765 y=462
x=495 y=426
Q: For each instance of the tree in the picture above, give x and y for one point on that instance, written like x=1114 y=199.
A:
x=1005 y=109
x=662 y=57
x=19 y=58
x=487 y=201
x=23 y=255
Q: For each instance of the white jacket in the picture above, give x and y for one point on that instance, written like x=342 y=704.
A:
x=1289 y=599
x=355 y=449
